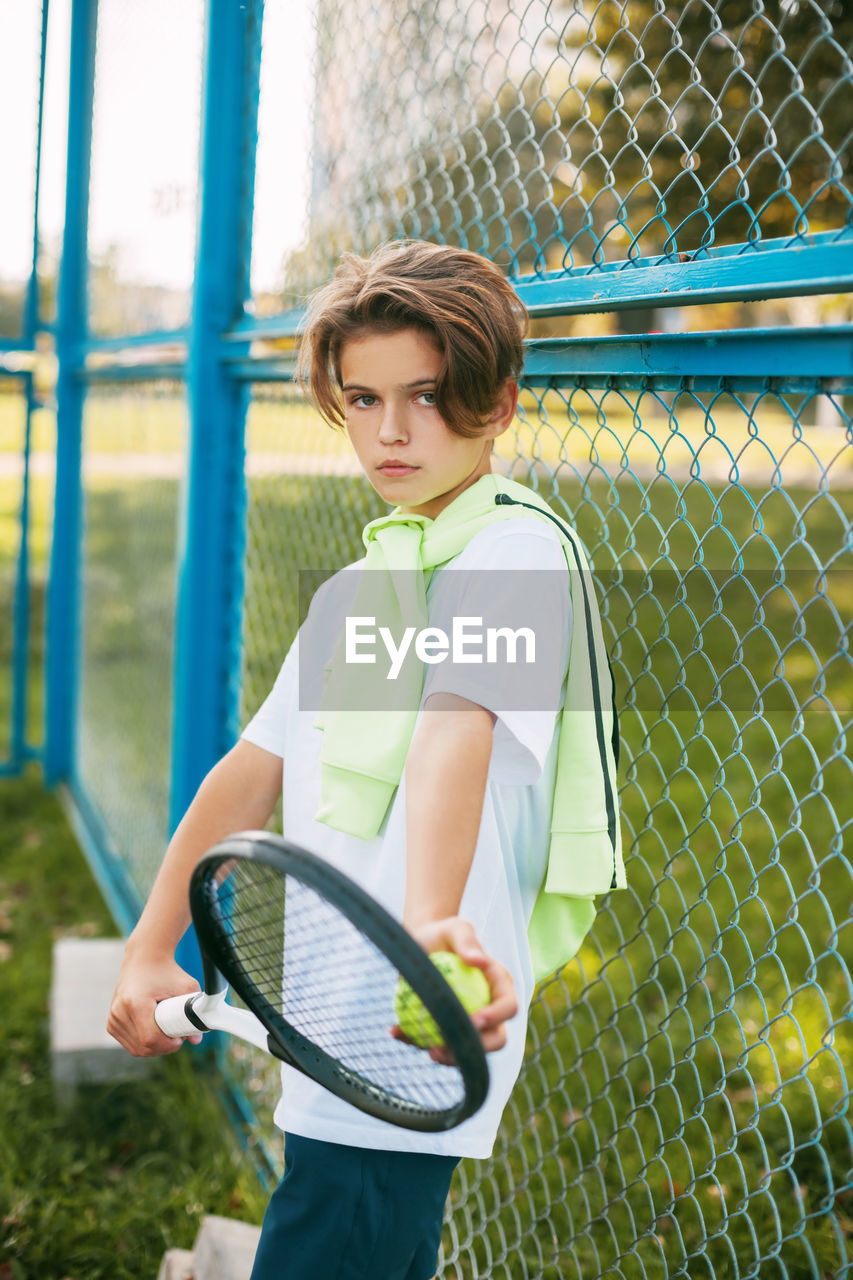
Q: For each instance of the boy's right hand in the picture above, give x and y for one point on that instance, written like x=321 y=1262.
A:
x=458 y=935
x=142 y=983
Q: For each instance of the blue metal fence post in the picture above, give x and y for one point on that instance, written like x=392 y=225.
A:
x=63 y=604
x=21 y=610
x=211 y=541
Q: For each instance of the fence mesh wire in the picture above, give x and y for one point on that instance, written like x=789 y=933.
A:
x=294 y=469
x=133 y=462
x=20 y=34
x=683 y=1109
x=13 y=416
x=553 y=134
x=20 y=599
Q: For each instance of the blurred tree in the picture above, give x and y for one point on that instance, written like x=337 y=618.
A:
x=692 y=124
x=11 y=309
x=649 y=128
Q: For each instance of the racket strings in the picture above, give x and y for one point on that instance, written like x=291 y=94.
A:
x=318 y=972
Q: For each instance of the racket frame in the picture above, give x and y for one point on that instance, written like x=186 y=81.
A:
x=388 y=935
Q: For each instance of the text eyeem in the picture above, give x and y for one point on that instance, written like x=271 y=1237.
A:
x=468 y=641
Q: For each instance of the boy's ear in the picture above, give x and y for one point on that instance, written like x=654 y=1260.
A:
x=504 y=410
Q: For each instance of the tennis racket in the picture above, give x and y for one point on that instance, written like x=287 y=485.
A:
x=316 y=962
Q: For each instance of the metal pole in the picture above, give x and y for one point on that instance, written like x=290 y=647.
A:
x=63 y=615
x=212 y=536
x=21 y=612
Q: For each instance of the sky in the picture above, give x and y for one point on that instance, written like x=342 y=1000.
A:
x=145 y=146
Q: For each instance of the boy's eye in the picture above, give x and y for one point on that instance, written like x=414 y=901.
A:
x=427 y=397
x=364 y=401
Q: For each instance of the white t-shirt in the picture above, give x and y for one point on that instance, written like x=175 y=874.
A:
x=510 y=857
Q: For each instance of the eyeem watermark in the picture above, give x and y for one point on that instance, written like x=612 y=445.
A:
x=468 y=642
x=499 y=638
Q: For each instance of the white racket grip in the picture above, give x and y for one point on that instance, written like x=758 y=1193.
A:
x=171 y=1017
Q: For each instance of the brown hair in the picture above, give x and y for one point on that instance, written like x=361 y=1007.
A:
x=459 y=299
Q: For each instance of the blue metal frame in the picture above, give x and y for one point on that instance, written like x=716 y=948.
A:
x=215 y=354
x=784 y=268
x=19 y=748
x=31 y=311
x=137 y=371
x=63 y=613
x=151 y=338
x=21 y=642
x=285 y=325
x=210 y=571
x=21 y=614
x=789 y=357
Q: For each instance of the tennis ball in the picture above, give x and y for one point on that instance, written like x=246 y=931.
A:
x=469 y=983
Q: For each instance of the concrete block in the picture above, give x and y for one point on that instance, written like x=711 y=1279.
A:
x=177 y=1264
x=225 y=1249
x=85 y=971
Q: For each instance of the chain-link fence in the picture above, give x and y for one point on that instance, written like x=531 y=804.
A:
x=13 y=419
x=669 y=188
x=683 y=1105
x=683 y=1108
x=24 y=485
x=133 y=459
x=560 y=134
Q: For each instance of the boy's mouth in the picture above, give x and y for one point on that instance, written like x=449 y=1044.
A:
x=393 y=467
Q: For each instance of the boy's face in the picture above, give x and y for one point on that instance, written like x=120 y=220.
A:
x=406 y=449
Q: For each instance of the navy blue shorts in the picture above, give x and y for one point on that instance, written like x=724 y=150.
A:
x=346 y=1213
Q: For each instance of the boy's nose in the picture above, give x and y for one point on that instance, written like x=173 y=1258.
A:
x=392 y=426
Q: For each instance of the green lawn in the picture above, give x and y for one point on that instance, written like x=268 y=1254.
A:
x=97 y=1190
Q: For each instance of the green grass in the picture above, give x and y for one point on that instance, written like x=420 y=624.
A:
x=97 y=1190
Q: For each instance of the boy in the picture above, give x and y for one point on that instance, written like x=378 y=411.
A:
x=441 y=804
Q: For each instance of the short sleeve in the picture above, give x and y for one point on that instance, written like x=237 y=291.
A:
x=299 y=684
x=268 y=726
x=510 y=587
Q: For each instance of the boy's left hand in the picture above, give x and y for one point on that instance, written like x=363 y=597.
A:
x=456 y=934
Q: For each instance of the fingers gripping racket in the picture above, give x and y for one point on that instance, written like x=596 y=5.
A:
x=316 y=962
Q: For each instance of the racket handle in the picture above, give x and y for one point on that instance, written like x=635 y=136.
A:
x=171 y=1017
